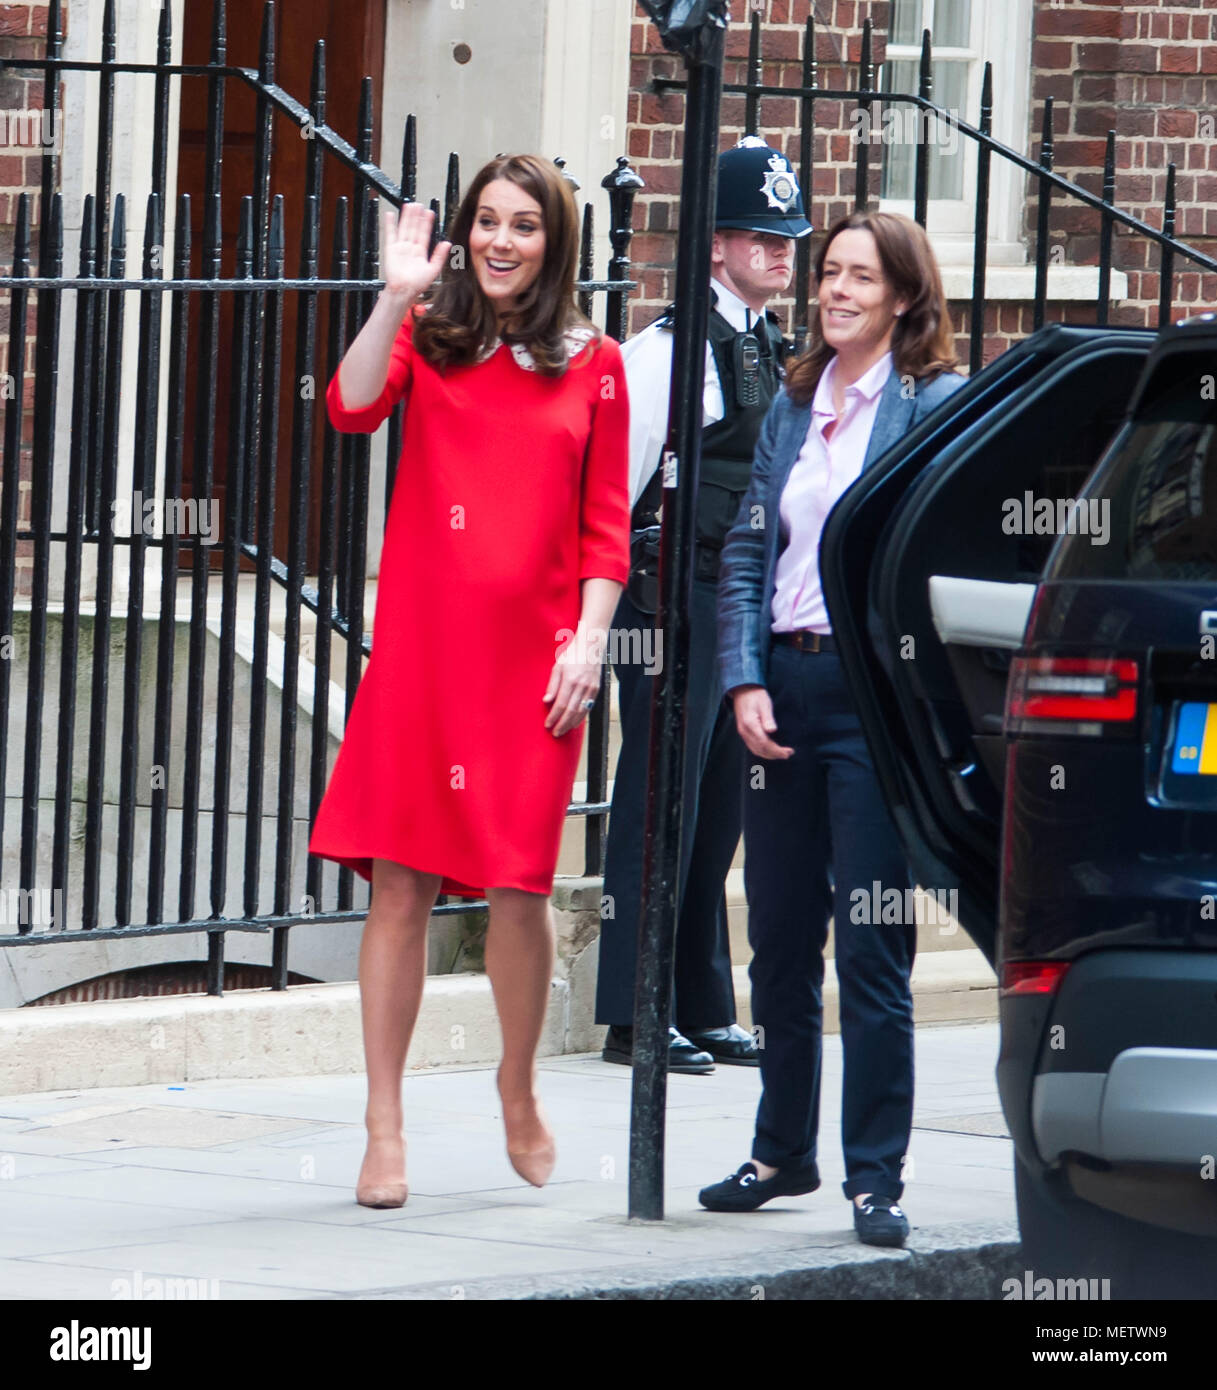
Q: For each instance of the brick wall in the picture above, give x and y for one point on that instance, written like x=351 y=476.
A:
x=22 y=35
x=1148 y=72
x=1140 y=69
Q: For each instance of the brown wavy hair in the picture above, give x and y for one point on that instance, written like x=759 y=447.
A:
x=460 y=322
x=922 y=337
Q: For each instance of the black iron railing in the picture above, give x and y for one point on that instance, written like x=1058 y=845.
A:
x=332 y=294
x=1041 y=176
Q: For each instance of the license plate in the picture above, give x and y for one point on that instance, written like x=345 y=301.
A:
x=1195 y=749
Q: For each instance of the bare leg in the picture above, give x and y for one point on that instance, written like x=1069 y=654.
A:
x=392 y=969
x=519 y=961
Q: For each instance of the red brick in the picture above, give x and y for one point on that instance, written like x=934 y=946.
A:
x=661 y=178
x=659 y=215
x=15 y=19
x=1185 y=187
x=1177 y=59
x=1073 y=218
x=1134 y=188
x=1046 y=53
x=1181 y=124
x=666 y=109
x=1069 y=22
x=639 y=143
x=1133 y=120
x=651 y=248
x=1190 y=222
x=1208 y=58
x=779 y=46
x=1057 y=85
x=780 y=113
x=1115 y=57
x=823 y=182
x=1098 y=120
x=1079 y=153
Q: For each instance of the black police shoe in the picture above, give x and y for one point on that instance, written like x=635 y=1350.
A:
x=682 y=1055
x=744 y=1190
x=732 y=1045
x=879 y=1221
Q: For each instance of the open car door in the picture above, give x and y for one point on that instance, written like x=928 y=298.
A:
x=929 y=565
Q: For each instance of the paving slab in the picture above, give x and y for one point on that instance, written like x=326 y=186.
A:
x=248 y=1187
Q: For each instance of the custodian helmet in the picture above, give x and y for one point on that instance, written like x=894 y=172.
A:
x=758 y=191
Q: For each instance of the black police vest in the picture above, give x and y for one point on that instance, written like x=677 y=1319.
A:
x=729 y=443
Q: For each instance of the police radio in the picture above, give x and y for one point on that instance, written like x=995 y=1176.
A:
x=747 y=363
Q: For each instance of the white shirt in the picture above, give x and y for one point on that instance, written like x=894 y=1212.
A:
x=824 y=469
x=648 y=374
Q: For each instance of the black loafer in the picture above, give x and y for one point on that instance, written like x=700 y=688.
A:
x=731 y=1045
x=879 y=1221
x=745 y=1191
x=682 y=1055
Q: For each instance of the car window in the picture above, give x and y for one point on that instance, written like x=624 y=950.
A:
x=1153 y=501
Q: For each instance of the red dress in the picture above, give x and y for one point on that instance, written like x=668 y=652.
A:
x=511 y=489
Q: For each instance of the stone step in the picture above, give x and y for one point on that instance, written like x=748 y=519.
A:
x=315 y=1029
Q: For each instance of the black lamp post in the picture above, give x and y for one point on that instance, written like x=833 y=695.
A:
x=695 y=29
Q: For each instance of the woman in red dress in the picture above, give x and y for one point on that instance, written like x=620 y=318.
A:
x=506 y=548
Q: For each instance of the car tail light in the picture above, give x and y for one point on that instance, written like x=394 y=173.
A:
x=1071 y=694
x=1020 y=977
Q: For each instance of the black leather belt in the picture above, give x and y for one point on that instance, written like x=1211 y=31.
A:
x=806 y=640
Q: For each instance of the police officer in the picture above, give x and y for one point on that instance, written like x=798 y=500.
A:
x=759 y=215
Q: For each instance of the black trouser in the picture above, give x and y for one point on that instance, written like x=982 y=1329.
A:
x=823 y=807
x=704 y=994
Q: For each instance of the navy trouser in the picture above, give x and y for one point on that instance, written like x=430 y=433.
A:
x=704 y=993
x=817 y=811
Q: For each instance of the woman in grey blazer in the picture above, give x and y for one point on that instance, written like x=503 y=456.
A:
x=880 y=358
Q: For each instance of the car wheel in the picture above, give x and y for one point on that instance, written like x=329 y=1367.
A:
x=1064 y=1237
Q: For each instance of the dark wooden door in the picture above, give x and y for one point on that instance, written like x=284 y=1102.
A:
x=353 y=31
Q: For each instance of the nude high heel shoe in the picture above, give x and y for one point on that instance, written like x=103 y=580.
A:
x=392 y=1194
x=383 y=1194
x=534 y=1165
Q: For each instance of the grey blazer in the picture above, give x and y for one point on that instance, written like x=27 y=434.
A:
x=750 y=551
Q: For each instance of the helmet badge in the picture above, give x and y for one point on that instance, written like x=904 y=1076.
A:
x=780 y=186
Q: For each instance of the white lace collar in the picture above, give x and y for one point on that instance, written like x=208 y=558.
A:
x=576 y=339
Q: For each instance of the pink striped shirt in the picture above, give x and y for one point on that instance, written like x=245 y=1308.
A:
x=824 y=469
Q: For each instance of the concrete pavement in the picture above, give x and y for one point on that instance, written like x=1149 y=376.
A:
x=245 y=1190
